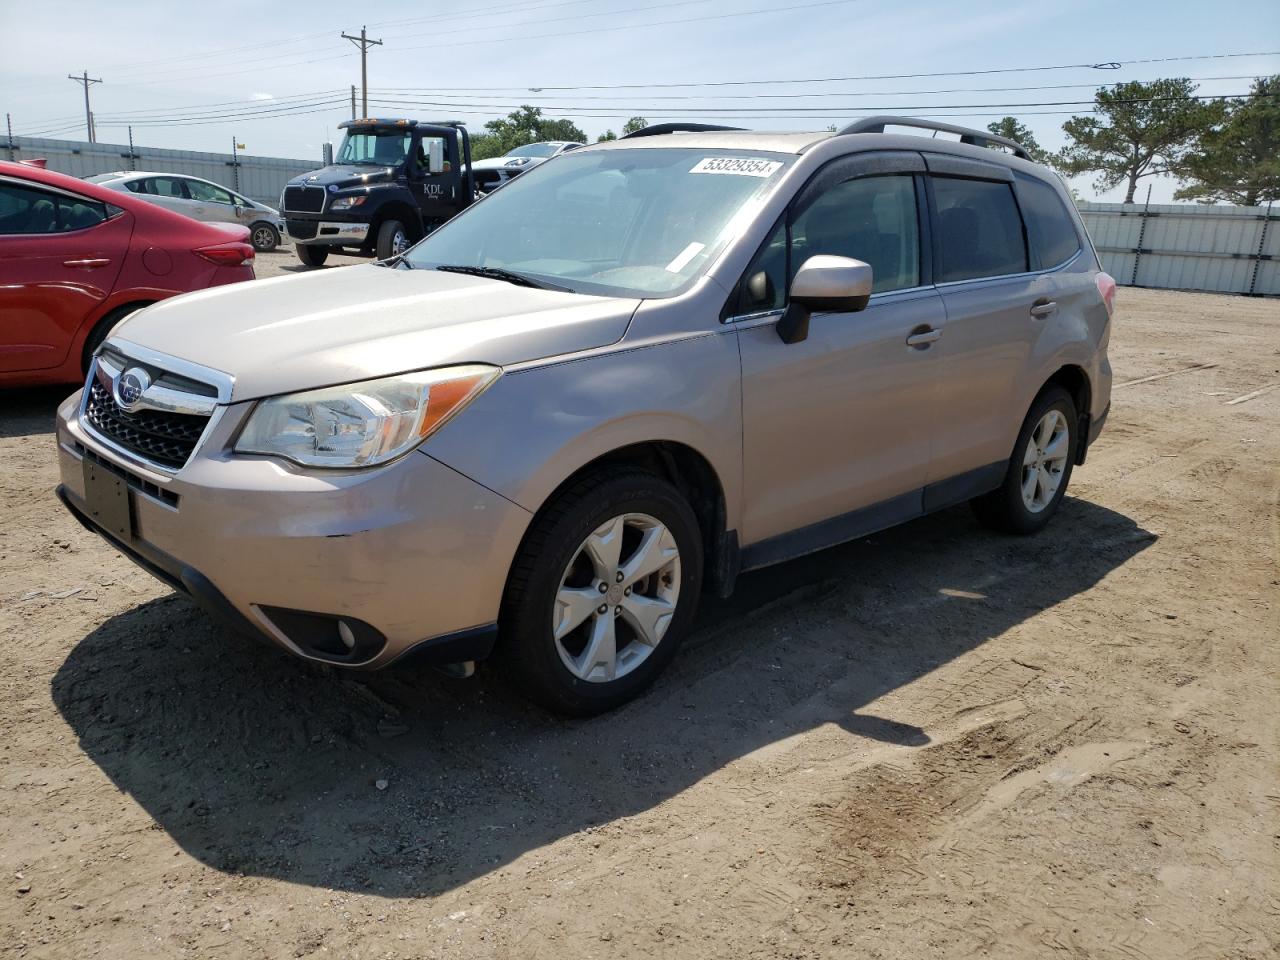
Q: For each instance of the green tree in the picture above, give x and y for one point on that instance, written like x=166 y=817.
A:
x=606 y=136
x=1239 y=161
x=634 y=124
x=1138 y=130
x=525 y=125
x=1011 y=129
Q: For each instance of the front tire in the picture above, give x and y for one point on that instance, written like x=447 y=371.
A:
x=1039 y=470
x=264 y=237
x=312 y=254
x=393 y=240
x=602 y=592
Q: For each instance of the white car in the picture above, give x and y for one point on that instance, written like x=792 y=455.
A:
x=496 y=171
x=200 y=200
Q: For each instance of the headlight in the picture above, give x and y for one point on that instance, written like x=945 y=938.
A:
x=362 y=424
x=346 y=203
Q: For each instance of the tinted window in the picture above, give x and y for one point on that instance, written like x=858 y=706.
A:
x=1049 y=226
x=25 y=210
x=872 y=219
x=207 y=192
x=979 y=230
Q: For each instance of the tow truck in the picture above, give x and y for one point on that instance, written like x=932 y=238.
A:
x=392 y=182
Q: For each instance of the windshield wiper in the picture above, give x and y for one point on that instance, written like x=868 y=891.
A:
x=399 y=260
x=509 y=276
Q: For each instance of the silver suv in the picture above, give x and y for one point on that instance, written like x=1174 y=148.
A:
x=635 y=372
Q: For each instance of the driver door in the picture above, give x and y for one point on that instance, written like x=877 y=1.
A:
x=837 y=428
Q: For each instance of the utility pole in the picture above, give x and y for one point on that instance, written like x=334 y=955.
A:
x=353 y=101
x=8 y=121
x=364 y=43
x=88 y=114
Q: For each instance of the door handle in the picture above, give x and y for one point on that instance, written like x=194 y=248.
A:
x=921 y=337
x=1043 y=308
x=89 y=263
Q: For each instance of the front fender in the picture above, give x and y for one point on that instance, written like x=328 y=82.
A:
x=537 y=426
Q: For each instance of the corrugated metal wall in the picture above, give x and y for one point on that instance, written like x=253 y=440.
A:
x=1178 y=246
x=261 y=178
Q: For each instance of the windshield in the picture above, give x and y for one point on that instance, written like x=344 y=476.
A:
x=639 y=222
x=383 y=148
x=533 y=150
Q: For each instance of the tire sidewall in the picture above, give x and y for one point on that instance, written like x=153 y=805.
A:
x=312 y=255
x=1021 y=518
x=386 y=237
x=530 y=620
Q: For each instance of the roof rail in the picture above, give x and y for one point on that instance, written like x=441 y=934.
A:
x=979 y=138
x=660 y=128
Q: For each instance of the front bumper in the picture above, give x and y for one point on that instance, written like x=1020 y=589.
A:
x=333 y=233
x=413 y=551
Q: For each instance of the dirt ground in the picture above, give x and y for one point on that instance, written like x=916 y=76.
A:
x=935 y=742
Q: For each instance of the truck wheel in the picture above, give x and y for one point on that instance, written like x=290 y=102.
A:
x=602 y=592
x=312 y=254
x=1039 y=470
x=393 y=239
x=264 y=237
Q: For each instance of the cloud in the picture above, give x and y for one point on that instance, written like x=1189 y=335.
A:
x=261 y=96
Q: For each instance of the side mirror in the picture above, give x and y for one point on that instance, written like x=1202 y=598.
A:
x=824 y=282
x=435 y=157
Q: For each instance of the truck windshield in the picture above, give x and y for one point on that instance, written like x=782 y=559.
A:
x=383 y=148
x=638 y=222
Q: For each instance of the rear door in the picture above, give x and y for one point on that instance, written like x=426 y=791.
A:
x=994 y=311
x=842 y=420
x=60 y=254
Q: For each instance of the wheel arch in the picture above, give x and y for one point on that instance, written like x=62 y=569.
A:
x=112 y=315
x=694 y=476
x=400 y=210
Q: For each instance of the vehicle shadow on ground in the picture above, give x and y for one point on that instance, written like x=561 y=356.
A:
x=32 y=410
x=263 y=765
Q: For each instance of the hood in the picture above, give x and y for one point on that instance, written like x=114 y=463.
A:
x=342 y=176
x=356 y=323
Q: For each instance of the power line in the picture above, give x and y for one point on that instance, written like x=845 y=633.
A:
x=86 y=82
x=842 y=93
x=364 y=43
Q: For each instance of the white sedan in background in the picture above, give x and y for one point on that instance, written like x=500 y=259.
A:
x=200 y=200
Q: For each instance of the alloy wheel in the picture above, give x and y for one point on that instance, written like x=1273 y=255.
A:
x=1045 y=460
x=617 y=597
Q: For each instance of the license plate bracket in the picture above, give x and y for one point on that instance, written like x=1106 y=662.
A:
x=107 y=501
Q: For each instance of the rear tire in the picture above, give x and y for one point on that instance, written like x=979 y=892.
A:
x=100 y=331
x=393 y=240
x=264 y=237
x=1039 y=469
x=312 y=254
x=549 y=647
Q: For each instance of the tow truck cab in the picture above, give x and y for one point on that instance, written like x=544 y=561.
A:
x=391 y=183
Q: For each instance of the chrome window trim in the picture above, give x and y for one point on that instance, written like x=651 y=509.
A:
x=882 y=295
x=947 y=284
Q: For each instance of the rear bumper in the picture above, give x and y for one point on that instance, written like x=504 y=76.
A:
x=411 y=557
x=334 y=233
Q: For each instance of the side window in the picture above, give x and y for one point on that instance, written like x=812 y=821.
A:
x=1049 y=226
x=207 y=192
x=137 y=186
x=872 y=219
x=979 y=230
x=166 y=187
x=25 y=210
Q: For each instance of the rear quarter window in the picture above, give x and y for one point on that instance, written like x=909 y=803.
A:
x=1050 y=229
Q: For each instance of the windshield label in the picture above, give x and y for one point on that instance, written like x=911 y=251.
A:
x=738 y=166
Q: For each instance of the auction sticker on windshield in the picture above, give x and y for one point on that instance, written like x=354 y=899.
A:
x=738 y=166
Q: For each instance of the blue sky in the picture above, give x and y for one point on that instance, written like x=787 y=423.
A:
x=162 y=59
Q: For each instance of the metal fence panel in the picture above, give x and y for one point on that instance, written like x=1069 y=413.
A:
x=1223 y=249
x=261 y=178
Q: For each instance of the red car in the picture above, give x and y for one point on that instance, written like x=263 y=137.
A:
x=75 y=259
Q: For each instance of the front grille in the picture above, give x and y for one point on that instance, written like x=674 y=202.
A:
x=302 y=229
x=165 y=438
x=303 y=199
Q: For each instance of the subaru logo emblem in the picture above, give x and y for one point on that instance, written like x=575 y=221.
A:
x=129 y=388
